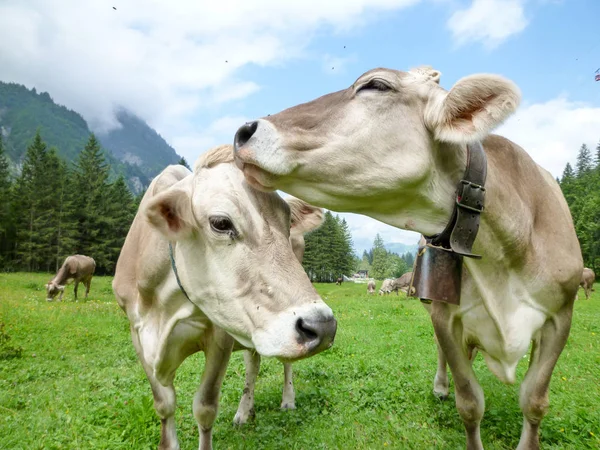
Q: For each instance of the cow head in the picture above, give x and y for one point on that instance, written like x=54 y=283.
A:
x=52 y=290
x=233 y=255
x=389 y=133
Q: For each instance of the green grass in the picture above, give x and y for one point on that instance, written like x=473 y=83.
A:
x=78 y=383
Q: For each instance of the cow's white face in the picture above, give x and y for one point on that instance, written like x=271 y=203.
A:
x=235 y=261
x=52 y=290
x=391 y=146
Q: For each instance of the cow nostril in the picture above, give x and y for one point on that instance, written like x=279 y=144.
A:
x=306 y=332
x=243 y=134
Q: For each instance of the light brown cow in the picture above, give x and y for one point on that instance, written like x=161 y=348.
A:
x=371 y=287
x=406 y=140
x=305 y=218
x=75 y=268
x=401 y=283
x=207 y=258
x=386 y=286
x=587 y=281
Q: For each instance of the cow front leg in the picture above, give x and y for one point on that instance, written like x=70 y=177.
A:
x=441 y=386
x=75 y=289
x=206 y=401
x=288 y=399
x=470 y=401
x=164 y=401
x=245 y=410
x=533 y=398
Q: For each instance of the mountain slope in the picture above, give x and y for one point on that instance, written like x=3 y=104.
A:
x=134 y=150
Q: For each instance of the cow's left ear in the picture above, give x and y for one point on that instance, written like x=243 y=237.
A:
x=472 y=109
x=170 y=212
x=305 y=217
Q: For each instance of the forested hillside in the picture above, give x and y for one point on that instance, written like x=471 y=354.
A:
x=54 y=209
x=581 y=187
x=134 y=150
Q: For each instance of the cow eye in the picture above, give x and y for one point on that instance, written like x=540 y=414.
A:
x=223 y=225
x=375 y=85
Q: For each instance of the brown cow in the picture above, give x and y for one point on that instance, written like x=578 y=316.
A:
x=587 y=281
x=75 y=268
x=339 y=281
x=371 y=287
x=208 y=260
x=402 y=283
x=394 y=146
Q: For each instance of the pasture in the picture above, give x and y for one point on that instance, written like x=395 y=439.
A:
x=79 y=385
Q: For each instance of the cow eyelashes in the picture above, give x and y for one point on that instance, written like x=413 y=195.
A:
x=223 y=225
x=375 y=85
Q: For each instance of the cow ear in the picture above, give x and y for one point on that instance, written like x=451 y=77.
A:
x=472 y=109
x=60 y=288
x=170 y=212
x=305 y=217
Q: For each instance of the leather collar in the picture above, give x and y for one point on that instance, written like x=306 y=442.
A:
x=461 y=231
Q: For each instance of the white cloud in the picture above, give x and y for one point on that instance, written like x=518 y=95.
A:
x=552 y=132
x=488 y=21
x=165 y=61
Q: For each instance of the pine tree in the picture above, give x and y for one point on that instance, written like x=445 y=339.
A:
x=379 y=268
x=92 y=204
x=184 y=163
x=584 y=161
x=6 y=225
x=28 y=205
x=120 y=212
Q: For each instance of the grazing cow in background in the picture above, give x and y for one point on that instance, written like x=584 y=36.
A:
x=75 y=268
x=394 y=146
x=402 y=283
x=208 y=259
x=386 y=286
x=371 y=287
x=305 y=218
x=339 y=281
x=587 y=281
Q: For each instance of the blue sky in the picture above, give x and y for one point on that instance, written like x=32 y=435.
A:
x=197 y=70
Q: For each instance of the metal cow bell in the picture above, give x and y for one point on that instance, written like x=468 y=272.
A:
x=437 y=275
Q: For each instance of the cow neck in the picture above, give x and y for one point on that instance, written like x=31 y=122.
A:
x=174 y=267
x=461 y=230
x=437 y=273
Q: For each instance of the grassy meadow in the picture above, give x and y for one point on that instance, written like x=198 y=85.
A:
x=77 y=383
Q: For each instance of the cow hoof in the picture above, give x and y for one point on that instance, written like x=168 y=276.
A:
x=289 y=405
x=441 y=395
x=242 y=419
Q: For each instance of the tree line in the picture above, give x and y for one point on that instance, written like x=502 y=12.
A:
x=382 y=263
x=53 y=209
x=581 y=188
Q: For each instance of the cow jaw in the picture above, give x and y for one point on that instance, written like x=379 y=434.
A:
x=234 y=259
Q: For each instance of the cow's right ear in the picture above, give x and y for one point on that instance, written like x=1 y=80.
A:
x=170 y=212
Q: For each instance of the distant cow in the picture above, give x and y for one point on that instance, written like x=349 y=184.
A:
x=371 y=287
x=587 y=281
x=78 y=268
x=386 y=286
x=402 y=283
x=339 y=281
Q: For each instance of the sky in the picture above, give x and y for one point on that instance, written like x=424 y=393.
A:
x=196 y=70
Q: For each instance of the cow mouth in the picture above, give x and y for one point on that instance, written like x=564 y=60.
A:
x=259 y=178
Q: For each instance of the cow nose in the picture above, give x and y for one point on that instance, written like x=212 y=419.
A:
x=317 y=335
x=243 y=134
